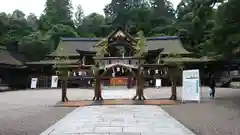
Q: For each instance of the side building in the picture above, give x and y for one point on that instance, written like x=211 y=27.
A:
x=13 y=72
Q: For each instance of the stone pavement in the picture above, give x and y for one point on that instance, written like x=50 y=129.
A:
x=118 y=120
x=118 y=94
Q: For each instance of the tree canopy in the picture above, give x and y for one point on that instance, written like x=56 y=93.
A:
x=203 y=27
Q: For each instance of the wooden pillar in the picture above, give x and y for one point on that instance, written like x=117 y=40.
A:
x=64 y=90
x=140 y=86
x=97 y=87
x=172 y=73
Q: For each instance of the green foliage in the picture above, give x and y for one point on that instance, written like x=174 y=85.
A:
x=101 y=50
x=56 y=12
x=93 y=24
x=202 y=28
x=33 y=21
x=196 y=21
x=79 y=16
x=177 y=67
x=140 y=46
x=60 y=71
x=58 y=31
x=35 y=46
x=225 y=36
x=178 y=64
x=139 y=15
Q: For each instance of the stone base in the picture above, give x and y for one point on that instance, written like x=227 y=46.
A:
x=81 y=103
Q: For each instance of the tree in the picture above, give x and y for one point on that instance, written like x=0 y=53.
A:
x=174 y=72
x=35 y=46
x=140 y=19
x=163 y=12
x=93 y=24
x=195 y=16
x=118 y=11
x=140 y=47
x=4 y=23
x=62 y=72
x=18 y=28
x=132 y=15
x=56 y=12
x=58 y=31
x=79 y=16
x=101 y=50
x=18 y=15
x=33 y=21
x=225 y=36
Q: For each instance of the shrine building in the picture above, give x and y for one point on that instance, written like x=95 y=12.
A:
x=120 y=58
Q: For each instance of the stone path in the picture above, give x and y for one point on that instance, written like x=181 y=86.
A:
x=118 y=120
x=118 y=94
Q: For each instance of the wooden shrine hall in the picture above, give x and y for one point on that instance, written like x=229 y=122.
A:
x=117 y=60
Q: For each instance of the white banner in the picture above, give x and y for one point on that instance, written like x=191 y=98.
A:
x=34 y=83
x=54 y=83
x=158 y=82
x=191 y=85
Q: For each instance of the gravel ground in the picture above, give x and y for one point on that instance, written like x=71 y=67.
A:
x=31 y=112
x=220 y=116
x=33 y=122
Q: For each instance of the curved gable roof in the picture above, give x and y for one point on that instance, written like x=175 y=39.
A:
x=170 y=44
x=7 y=59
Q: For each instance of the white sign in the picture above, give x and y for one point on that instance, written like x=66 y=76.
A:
x=34 y=83
x=158 y=82
x=54 y=83
x=79 y=73
x=191 y=87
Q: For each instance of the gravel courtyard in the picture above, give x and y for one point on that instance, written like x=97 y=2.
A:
x=31 y=112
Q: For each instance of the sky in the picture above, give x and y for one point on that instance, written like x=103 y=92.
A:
x=37 y=6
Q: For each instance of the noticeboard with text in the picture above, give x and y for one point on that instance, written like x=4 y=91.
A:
x=191 y=86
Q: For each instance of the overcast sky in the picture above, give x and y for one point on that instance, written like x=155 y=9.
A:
x=37 y=6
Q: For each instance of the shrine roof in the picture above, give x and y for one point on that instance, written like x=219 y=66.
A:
x=7 y=58
x=187 y=59
x=52 y=62
x=170 y=44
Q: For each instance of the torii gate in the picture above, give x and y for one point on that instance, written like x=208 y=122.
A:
x=139 y=75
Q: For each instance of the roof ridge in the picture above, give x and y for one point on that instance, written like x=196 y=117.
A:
x=100 y=38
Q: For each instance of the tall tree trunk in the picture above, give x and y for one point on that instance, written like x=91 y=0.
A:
x=140 y=87
x=97 y=88
x=173 y=90
x=64 y=90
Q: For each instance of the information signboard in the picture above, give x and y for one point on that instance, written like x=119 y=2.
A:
x=34 y=83
x=191 y=87
x=158 y=83
x=54 y=82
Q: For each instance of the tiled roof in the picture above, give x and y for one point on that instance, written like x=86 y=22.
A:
x=187 y=59
x=171 y=44
x=7 y=59
x=70 y=45
x=52 y=62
